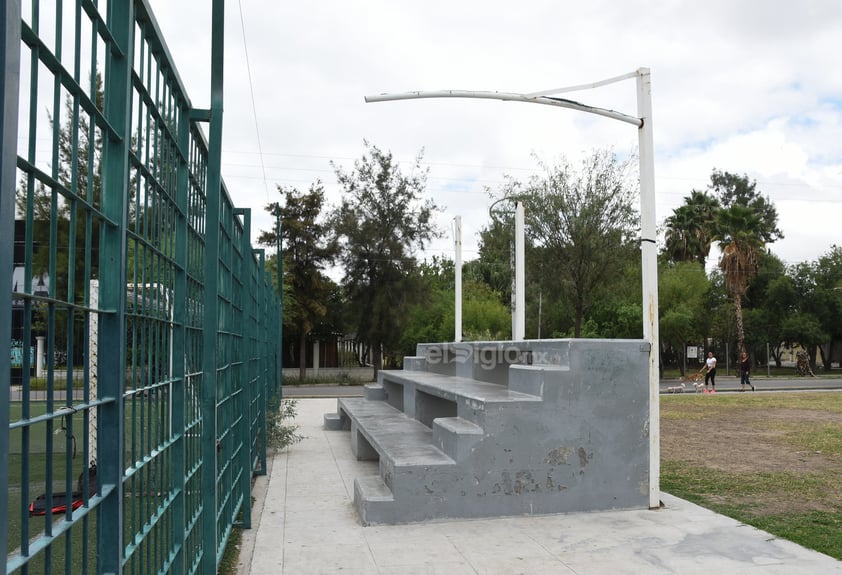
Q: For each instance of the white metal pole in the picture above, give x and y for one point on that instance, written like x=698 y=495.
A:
x=520 y=275
x=457 y=244
x=649 y=257
x=40 y=364
x=93 y=367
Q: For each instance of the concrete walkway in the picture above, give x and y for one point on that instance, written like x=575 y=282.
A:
x=304 y=523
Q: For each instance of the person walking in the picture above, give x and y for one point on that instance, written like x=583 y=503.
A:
x=710 y=374
x=745 y=370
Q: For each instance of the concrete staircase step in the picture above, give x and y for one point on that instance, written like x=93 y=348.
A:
x=456 y=436
x=373 y=499
x=336 y=422
x=454 y=388
x=400 y=440
x=374 y=392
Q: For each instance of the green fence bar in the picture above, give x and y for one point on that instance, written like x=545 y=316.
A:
x=143 y=328
x=9 y=93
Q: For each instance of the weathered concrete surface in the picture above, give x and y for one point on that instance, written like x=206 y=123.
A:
x=303 y=521
x=567 y=432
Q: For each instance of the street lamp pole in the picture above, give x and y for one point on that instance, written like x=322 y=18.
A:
x=643 y=121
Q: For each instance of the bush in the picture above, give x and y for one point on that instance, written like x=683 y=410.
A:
x=279 y=432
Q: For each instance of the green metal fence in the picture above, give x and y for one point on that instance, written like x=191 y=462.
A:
x=143 y=328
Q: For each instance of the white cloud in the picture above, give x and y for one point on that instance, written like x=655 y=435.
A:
x=745 y=87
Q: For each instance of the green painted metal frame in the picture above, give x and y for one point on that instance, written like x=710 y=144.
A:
x=9 y=90
x=155 y=292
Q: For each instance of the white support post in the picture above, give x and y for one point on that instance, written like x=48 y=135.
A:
x=519 y=319
x=457 y=244
x=93 y=367
x=40 y=363
x=649 y=255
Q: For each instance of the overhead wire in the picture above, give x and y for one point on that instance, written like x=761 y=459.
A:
x=253 y=104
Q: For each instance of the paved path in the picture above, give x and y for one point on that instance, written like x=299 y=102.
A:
x=304 y=523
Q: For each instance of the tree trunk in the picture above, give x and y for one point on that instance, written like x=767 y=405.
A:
x=376 y=358
x=738 y=312
x=825 y=356
x=302 y=357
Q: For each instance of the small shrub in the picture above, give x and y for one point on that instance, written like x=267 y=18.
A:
x=280 y=432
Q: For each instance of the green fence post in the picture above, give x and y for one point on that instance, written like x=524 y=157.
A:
x=247 y=350
x=112 y=297
x=179 y=348
x=213 y=191
x=9 y=94
x=266 y=291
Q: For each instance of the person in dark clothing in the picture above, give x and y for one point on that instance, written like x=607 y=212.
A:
x=745 y=370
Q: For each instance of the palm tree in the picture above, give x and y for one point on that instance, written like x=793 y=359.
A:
x=739 y=231
x=689 y=232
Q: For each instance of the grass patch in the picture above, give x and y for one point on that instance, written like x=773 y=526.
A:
x=341 y=378
x=228 y=563
x=791 y=487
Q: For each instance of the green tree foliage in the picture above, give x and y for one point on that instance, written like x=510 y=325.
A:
x=682 y=295
x=79 y=169
x=583 y=226
x=307 y=251
x=817 y=284
x=493 y=267
x=689 y=230
x=736 y=190
x=772 y=297
x=738 y=229
x=743 y=226
x=829 y=287
x=65 y=241
x=432 y=318
x=380 y=224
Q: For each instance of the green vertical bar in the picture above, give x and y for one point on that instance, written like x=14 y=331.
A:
x=213 y=193
x=9 y=92
x=112 y=322
x=179 y=337
x=247 y=350
x=265 y=365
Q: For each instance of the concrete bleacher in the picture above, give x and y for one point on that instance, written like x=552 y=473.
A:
x=484 y=429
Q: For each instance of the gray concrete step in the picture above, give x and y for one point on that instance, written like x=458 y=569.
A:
x=400 y=440
x=454 y=388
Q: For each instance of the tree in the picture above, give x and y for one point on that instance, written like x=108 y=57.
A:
x=307 y=251
x=380 y=224
x=689 y=230
x=583 y=225
x=682 y=294
x=772 y=297
x=432 y=317
x=746 y=222
x=493 y=267
x=740 y=242
x=819 y=285
x=734 y=190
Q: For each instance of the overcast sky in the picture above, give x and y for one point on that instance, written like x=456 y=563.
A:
x=750 y=87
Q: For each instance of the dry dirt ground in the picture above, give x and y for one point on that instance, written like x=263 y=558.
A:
x=746 y=441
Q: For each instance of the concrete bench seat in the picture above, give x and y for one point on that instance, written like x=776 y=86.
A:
x=388 y=433
x=454 y=388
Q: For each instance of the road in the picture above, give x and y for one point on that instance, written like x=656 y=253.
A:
x=724 y=384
